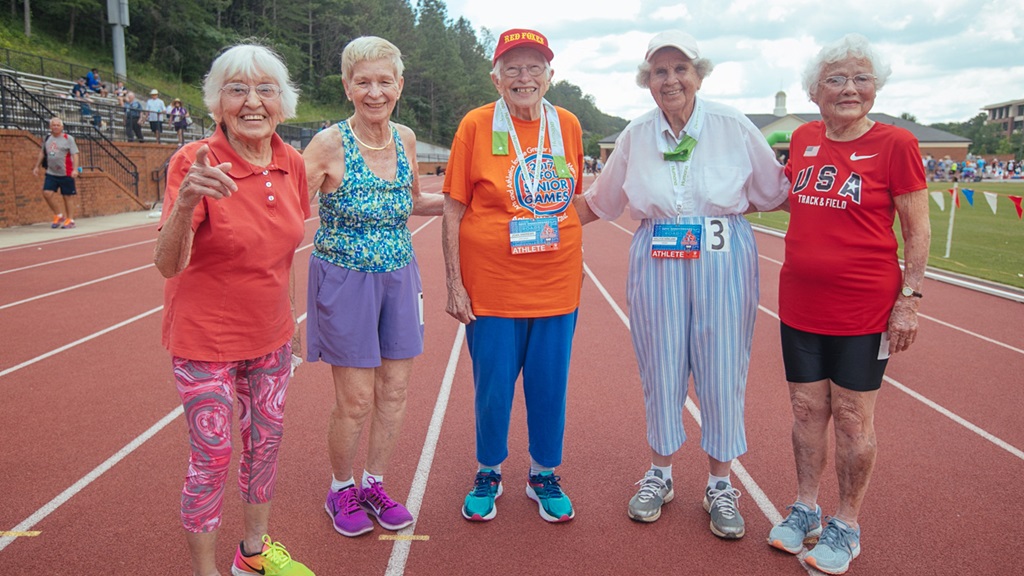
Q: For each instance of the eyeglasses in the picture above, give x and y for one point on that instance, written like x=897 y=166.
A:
x=514 y=71
x=238 y=91
x=859 y=81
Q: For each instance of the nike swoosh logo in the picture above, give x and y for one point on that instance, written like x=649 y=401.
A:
x=854 y=157
x=251 y=567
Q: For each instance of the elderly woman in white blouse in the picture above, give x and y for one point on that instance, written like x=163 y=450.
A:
x=688 y=170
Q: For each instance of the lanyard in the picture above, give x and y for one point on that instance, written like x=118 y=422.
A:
x=680 y=170
x=503 y=129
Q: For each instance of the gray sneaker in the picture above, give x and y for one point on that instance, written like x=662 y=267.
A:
x=720 y=502
x=645 y=506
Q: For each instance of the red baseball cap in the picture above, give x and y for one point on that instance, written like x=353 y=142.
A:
x=522 y=38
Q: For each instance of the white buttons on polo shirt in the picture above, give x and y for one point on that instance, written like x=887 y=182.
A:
x=270 y=198
x=269 y=184
x=265 y=172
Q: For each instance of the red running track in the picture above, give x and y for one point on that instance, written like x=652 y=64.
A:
x=94 y=449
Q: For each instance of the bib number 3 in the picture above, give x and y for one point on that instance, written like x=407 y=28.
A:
x=717 y=234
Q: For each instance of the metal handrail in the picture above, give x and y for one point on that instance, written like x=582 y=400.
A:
x=24 y=110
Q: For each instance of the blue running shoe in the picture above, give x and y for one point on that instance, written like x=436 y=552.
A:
x=801 y=524
x=838 y=545
x=479 y=505
x=553 y=504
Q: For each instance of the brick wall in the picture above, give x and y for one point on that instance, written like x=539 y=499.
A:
x=21 y=200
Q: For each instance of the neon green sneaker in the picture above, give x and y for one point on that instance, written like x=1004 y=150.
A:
x=274 y=560
x=553 y=504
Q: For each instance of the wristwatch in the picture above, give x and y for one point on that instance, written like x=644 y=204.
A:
x=908 y=292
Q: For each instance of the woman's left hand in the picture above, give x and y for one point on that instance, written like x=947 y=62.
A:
x=902 y=324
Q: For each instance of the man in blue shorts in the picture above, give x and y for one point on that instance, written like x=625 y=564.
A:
x=61 y=155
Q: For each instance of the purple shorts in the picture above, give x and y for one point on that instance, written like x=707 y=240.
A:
x=356 y=318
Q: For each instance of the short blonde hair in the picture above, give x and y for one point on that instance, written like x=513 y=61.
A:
x=249 y=61
x=369 y=48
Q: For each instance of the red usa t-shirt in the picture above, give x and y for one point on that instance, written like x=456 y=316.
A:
x=841 y=275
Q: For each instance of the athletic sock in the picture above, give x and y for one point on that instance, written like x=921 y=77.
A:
x=339 y=485
x=367 y=476
x=714 y=480
x=666 y=471
x=536 y=468
x=495 y=469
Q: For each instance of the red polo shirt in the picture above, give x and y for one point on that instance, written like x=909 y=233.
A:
x=231 y=301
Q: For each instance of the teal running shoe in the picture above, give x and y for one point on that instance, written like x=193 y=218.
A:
x=553 y=504
x=479 y=505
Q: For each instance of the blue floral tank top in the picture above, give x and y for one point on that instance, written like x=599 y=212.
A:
x=363 y=223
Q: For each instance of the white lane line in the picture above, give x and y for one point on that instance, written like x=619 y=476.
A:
x=400 y=550
x=47 y=263
x=96 y=472
x=76 y=237
x=82 y=340
x=959 y=420
x=76 y=286
x=749 y=484
x=975 y=334
x=78 y=486
x=940 y=409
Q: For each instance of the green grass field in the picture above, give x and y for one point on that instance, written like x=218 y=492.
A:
x=985 y=245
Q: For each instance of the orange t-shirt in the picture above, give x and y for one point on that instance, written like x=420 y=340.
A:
x=231 y=302
x=531 y=285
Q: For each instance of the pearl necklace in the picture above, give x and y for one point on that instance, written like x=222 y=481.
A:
x=391 y=136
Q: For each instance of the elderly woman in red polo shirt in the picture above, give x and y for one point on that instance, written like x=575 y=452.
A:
x=234 y=214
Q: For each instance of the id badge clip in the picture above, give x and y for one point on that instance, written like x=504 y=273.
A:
x=676 y=241
x=531 y=235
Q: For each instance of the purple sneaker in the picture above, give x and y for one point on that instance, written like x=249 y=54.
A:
x=349 y=517
x=389 y=514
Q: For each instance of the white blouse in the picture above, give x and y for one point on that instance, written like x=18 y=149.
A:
x=732 y=168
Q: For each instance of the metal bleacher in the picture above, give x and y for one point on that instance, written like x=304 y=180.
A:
x=26 y=110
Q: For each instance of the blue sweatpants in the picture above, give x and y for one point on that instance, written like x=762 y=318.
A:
x=501 y=348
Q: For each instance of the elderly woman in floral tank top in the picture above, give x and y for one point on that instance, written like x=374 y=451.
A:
x=364 y=283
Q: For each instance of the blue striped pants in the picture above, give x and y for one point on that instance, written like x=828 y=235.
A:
x=694 y=316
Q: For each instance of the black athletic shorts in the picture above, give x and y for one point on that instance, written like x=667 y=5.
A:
x=66 y=184
x=849 y=361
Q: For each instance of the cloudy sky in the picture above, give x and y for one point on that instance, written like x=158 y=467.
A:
x=949 y=57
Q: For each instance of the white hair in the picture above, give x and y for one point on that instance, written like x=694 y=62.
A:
x=702 y=66
x=370 y=48
x=251 y=61
x=849 y=46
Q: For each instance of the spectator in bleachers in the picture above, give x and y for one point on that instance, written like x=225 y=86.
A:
x=120 y=92
x=133 y=118
x=157 y=111
x=94 y=83
x=80 y=92
x=179 y=119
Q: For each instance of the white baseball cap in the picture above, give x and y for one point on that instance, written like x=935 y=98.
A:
x=674 y=39
x=154 y=92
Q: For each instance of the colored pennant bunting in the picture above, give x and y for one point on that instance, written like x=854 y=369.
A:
x=940 y=199
x=1016 y=202
x=990 y=197
x=969 y=194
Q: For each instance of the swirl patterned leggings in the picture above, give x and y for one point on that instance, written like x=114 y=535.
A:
x=208 y=391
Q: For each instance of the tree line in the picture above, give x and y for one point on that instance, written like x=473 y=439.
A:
x=447 y=64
